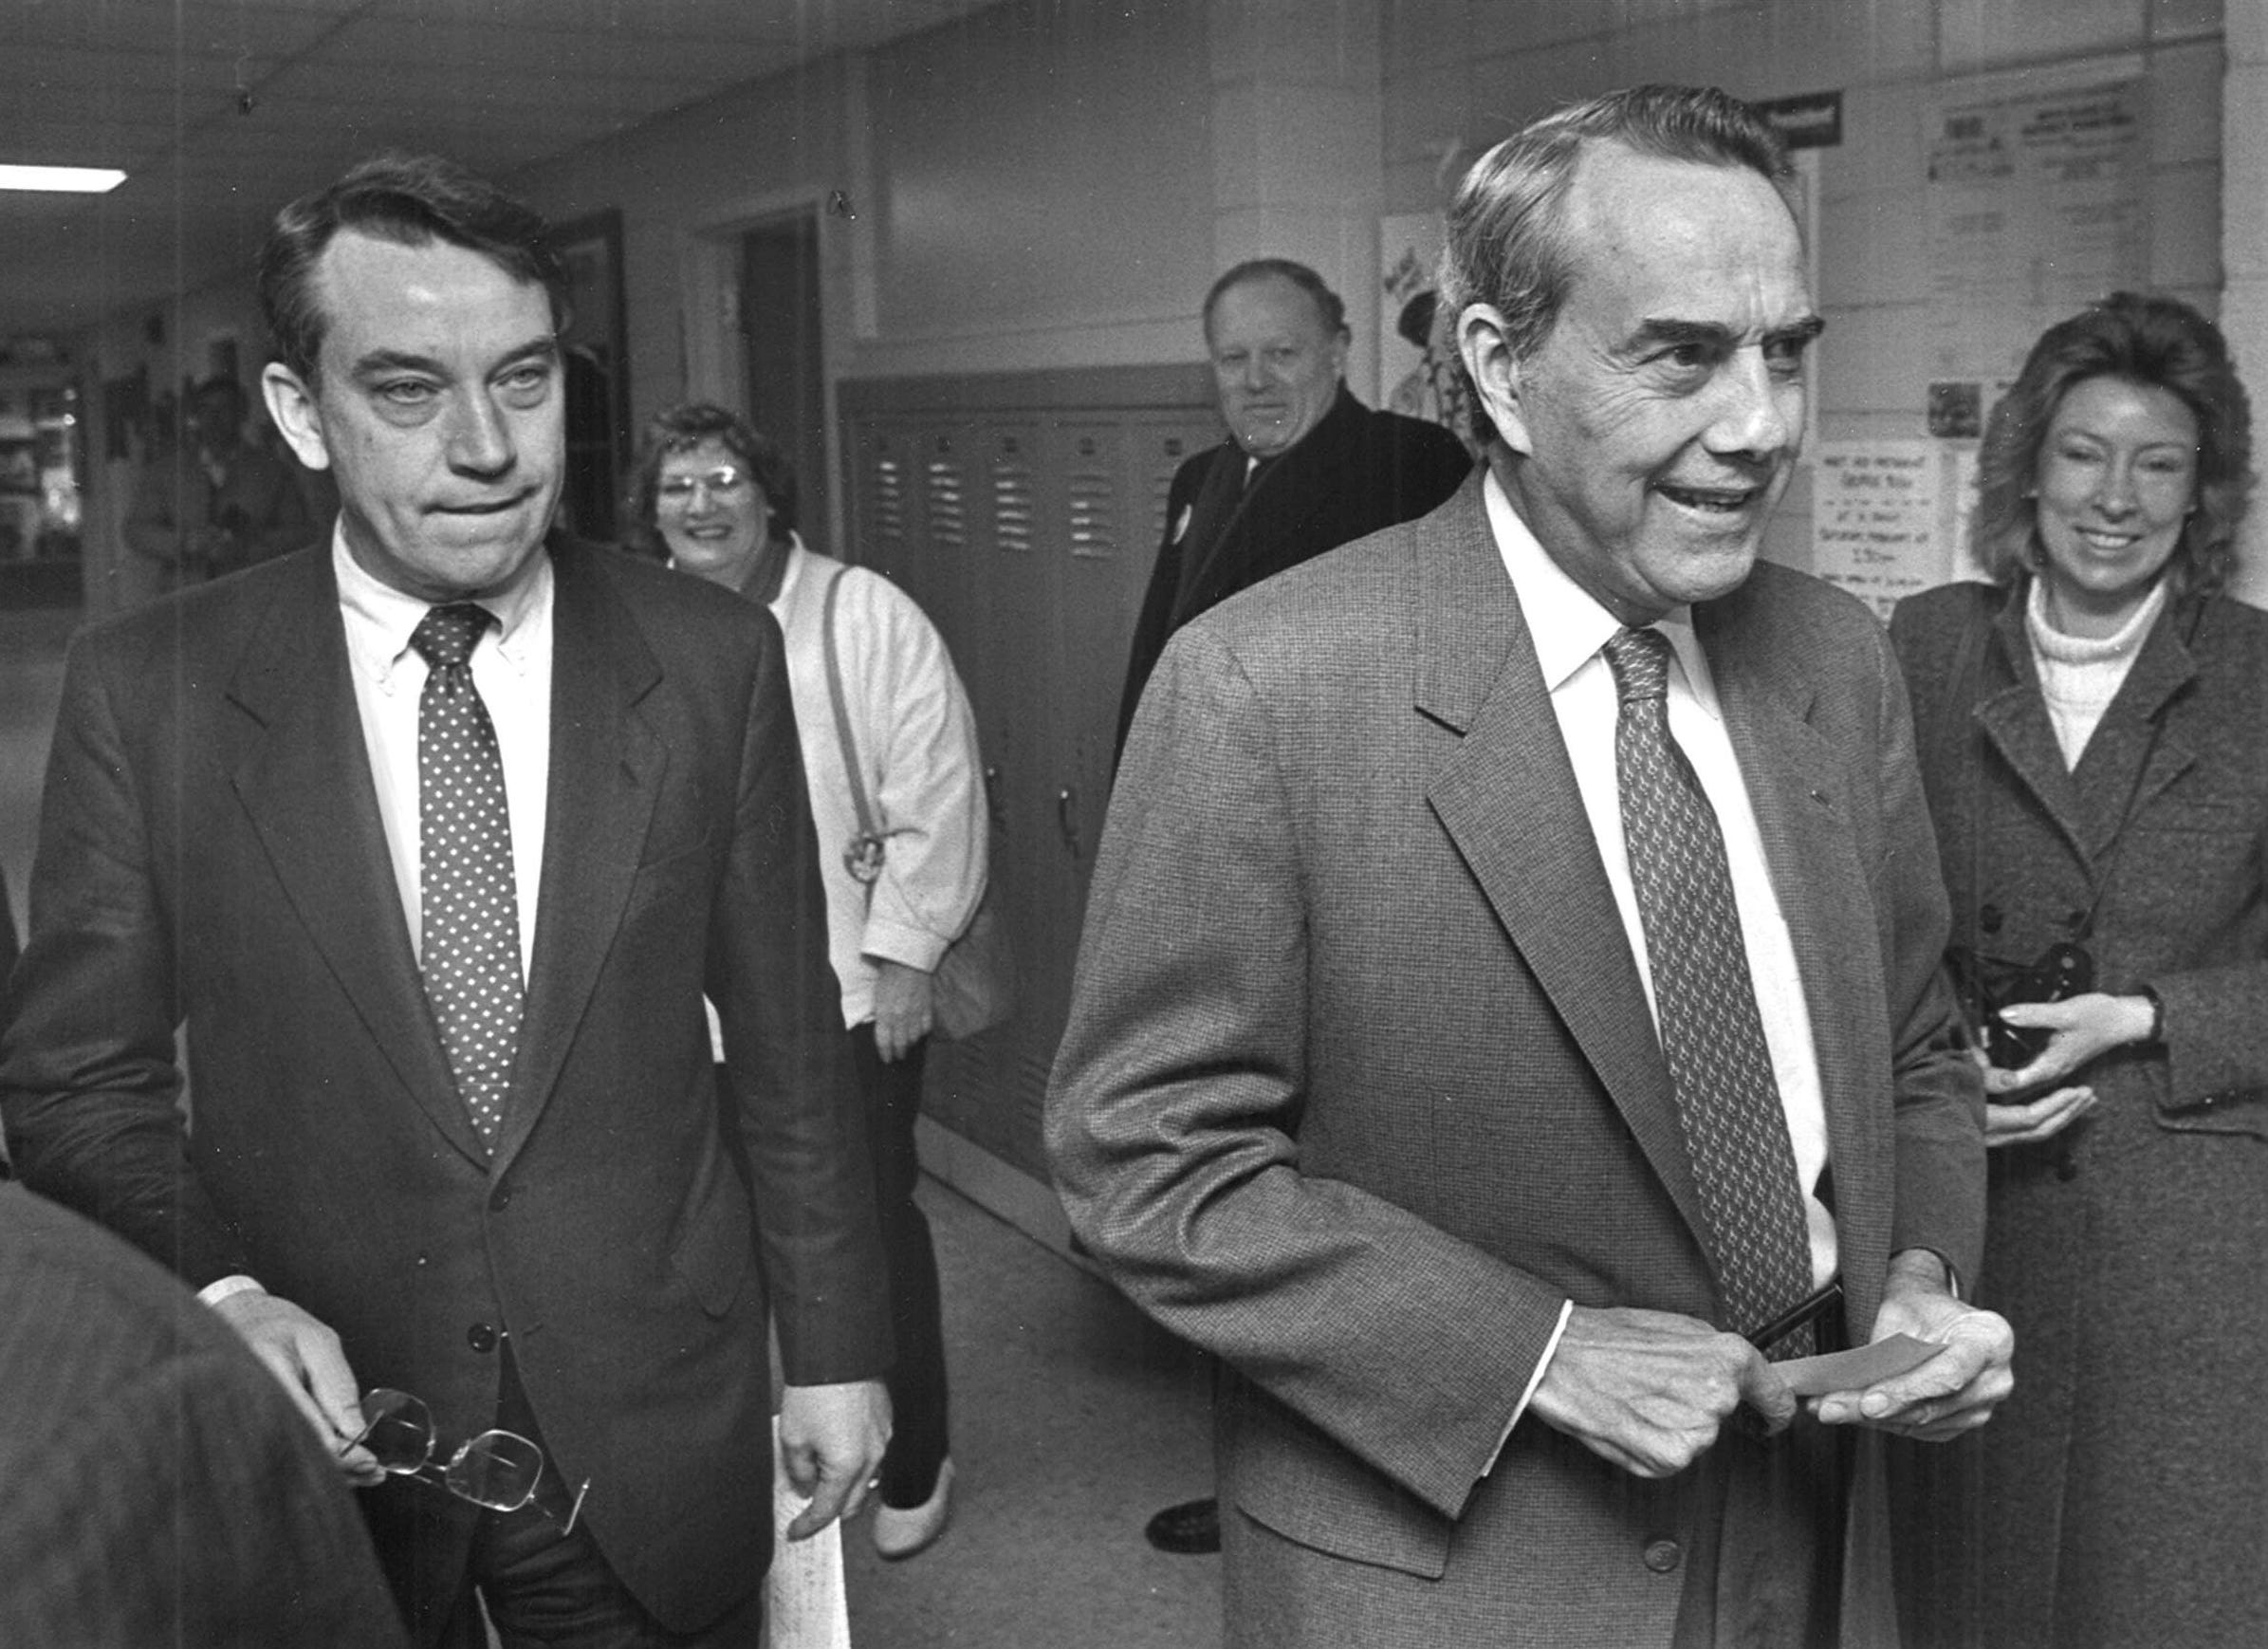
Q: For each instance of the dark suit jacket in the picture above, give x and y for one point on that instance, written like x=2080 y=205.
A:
x=161 y=1488
x=1358 y=470
x=211 y=853
x=1359 y=1084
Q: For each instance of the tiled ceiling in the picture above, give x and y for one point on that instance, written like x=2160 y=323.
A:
x=220 y=110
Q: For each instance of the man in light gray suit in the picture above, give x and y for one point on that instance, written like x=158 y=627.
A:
x=1403 y=1072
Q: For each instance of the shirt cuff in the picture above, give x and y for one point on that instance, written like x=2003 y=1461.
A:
x=1543 y=1365
x=214 y=1293
x=886 y=941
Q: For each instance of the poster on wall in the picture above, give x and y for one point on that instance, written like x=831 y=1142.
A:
x=1877 y=527
x=2036 y=206
x=1417 y=374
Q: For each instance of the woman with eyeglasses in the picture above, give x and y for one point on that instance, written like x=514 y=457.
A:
x=2093 y=729
x=719 y=500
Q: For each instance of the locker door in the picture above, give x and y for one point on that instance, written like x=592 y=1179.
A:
x=880 y=454
x=991 y=1090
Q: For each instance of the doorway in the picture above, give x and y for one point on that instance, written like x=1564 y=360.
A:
x=781 y=329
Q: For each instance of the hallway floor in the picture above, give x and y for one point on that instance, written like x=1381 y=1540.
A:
x=1074 y=1417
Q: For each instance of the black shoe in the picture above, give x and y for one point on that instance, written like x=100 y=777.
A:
x=1190 y=1529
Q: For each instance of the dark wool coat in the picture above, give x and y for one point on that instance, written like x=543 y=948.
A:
x=1358 y=470
x=2120 y=1496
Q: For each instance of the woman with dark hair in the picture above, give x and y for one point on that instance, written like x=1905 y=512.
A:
x=718 y=500
x=2094 y=737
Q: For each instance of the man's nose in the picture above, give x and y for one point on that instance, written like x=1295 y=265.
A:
x=1758 y=412
x=1257 y=376
x=480 y=439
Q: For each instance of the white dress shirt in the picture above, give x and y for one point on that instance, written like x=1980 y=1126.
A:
x=511 y=667
x=1569 y=627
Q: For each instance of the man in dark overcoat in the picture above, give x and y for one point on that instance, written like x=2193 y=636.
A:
x=1306 y=467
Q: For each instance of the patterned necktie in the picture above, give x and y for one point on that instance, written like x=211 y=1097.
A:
x=468 y=905
x=1727 y=1100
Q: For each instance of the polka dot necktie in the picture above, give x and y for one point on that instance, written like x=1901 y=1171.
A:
x=468 y=906
x=1728 y=1103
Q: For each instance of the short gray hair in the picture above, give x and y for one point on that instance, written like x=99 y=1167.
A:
x=1507 y=225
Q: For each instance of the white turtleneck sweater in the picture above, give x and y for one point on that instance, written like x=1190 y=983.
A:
x=2080 y=674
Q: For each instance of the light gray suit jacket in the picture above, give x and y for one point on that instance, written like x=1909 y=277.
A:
x=1360 y=1084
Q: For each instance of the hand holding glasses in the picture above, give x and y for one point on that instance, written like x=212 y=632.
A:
x=500 y=1471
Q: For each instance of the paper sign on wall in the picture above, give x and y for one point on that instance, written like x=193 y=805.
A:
x=2036 y=205
x=1876 y=527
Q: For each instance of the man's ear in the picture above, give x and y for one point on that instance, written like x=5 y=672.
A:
x=1485 y=342
x=293 y=404
x=1340 y=342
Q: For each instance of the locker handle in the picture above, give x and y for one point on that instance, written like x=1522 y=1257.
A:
x=1066 y=818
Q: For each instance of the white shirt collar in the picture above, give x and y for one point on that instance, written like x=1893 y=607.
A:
x=1566 y=622
x=381 y=617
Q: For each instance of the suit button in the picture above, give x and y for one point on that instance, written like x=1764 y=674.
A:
x=1663 y=1555
x=499 y=1199
x=1989 y=919
x=2067 y=1167
x=481 y=1338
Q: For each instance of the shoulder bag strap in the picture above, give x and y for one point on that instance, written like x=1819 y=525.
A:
x=843 y=740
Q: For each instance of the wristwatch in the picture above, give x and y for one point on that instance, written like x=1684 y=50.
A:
x=2157 y=1015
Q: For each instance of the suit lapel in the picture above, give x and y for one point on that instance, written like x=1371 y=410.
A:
x=302 y=776
x=2014 y=717
x=1795 y=779
x=605 y=774
x=1507 y=797
x=1220 y=501
x=2134 y=754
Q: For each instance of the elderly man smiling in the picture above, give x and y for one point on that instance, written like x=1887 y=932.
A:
x=1508 y=1019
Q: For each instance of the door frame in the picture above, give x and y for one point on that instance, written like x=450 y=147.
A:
x=716 y=368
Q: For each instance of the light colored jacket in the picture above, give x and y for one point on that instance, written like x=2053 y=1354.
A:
x=917 y=751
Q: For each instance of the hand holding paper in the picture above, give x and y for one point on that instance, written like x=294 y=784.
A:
x=1953 y=1390
x=1859 y=1369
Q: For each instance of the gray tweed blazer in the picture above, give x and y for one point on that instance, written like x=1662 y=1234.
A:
x=1360 y=1085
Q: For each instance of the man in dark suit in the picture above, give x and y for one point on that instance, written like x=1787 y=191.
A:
x=431 y=837
x=1306 y=465
x=1510 y=981
x=160 y=1488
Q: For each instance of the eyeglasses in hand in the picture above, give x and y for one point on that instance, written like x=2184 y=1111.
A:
x=498 y=1470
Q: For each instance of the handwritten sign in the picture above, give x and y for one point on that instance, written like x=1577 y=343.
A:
x=1875 y=528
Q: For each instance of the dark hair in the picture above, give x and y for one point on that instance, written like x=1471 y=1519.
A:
x=409 y=199
x=1506 y=243
x=683 y=428
x=2159 y=343
x=1328 y=307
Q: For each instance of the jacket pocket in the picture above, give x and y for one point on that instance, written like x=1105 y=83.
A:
x=1286 y=1475
x=713 y=1252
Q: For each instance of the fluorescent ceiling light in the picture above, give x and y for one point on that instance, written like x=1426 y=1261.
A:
x=63 y=179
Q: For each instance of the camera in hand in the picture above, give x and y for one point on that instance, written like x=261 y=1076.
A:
x=2064 y=969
